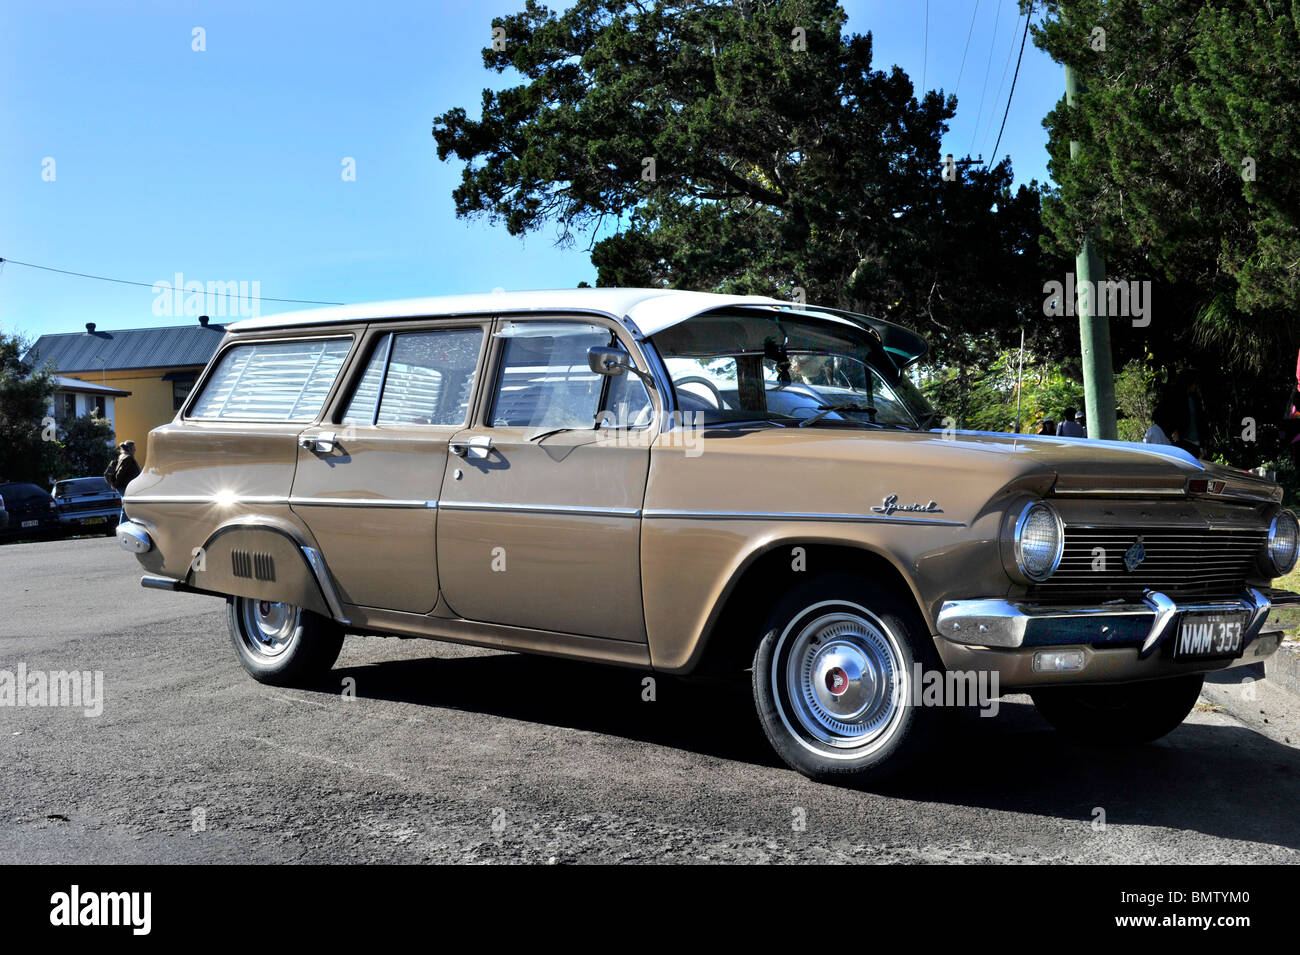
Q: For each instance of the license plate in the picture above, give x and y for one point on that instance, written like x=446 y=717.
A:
x=1209 y=635
x=31 y=523
x=93 y=520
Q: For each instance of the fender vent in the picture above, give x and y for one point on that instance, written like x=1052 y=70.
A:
x=256 y=565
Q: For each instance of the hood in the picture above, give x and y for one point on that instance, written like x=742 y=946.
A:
x=962 y=470
x=1092 y=466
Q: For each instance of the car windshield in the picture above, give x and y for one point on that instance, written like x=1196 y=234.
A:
x=81 y=487
x=788 y=368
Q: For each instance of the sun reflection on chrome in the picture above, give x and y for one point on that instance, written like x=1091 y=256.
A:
x=225 y=498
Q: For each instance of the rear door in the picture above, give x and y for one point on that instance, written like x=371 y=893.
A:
x=539 y=518
x=368 y=480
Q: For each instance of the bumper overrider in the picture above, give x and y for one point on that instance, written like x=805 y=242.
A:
x=1036 y=644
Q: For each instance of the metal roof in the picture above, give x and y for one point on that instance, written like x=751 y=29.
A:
x=187 y=345
x=648 y=310
x=87 y=387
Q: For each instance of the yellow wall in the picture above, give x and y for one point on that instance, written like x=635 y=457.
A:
x=148 y=406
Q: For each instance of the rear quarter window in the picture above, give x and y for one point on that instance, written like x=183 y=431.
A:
x=272 y=380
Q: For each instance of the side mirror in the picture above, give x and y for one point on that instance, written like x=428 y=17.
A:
x=609 y=361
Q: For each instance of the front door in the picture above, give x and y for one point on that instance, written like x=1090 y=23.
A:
x=539 y=517
x=367 y=485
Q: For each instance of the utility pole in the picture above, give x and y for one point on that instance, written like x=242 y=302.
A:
x=1094 y=330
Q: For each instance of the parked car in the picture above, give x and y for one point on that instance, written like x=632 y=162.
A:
x=31 y=511
x=690 y=484
x=87 y=504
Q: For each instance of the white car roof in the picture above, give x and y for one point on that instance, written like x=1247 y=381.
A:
x=649 y=310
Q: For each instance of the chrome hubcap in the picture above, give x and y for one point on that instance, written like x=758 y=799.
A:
x=840 y=674
x=269 y=626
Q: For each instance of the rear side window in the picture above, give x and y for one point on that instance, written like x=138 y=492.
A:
x=418 y=378
x=272 y=381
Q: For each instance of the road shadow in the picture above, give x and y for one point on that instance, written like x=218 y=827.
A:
x=1223 y=781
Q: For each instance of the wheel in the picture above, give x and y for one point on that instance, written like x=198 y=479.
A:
x=834 y=677
x=1122 y=713
x=281 y=644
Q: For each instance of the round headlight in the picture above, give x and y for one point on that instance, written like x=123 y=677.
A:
x=1283 y=542
x=1039 y=541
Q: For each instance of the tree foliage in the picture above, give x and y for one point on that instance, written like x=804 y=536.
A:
x=1187 y=137
x=25 y=392
x=746 y=147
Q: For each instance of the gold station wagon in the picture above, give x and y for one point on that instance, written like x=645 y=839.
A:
x=700 y=484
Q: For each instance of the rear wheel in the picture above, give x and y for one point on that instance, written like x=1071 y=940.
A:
x=281 y=644
x=833 y=680
x=1120 y=714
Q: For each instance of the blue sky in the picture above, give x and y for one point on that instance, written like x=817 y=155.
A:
x=225 y=165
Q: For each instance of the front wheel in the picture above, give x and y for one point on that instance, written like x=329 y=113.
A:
x=281 y=644
x=834 y=676
x=1120 y=714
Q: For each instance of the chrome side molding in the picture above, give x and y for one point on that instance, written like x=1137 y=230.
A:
x=323 y=579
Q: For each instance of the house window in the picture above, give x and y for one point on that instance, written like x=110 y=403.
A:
x=180 y=391
x=65 y=406
x=100 y=407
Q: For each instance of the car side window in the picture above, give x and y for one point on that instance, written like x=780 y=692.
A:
x=272 y=381
x=546 y=382
x=417 y=378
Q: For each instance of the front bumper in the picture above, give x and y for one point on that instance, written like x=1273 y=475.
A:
x=1117 y=641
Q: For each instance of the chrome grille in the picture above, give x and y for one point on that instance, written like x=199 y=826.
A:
x=1180 y=561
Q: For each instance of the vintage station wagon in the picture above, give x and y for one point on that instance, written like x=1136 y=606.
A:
x=699 y=484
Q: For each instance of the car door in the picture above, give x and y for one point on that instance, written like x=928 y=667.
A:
x=368 y=481
x=539 y=517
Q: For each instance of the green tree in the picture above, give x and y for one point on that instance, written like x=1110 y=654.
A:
x=745 y=147
x=85 y=446
x=27 y=433
x=1185 y=173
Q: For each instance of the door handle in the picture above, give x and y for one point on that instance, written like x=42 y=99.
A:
x=478 y=446
x=323 y=443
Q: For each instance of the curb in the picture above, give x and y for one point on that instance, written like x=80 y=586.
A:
x=1283 y=667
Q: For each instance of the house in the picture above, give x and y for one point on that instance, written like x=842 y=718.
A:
x=74 y=398
x=151 y=370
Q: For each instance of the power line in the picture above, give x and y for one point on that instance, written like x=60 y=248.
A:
x=993 y=155
x=996 y=96
x=961 y=69
x=925 y=54
x=985 y=87
x=150 y=285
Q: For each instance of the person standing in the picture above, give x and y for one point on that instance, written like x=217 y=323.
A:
x=1181 y=416
x=1069 y=428
x=122 y=470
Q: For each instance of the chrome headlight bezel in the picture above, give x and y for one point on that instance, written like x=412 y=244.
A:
x=1269 y=558
x=1017 y=533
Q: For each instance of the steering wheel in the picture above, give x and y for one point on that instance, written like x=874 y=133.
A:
x=699 y=380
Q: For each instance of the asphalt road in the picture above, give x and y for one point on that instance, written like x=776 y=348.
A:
x=452 y=754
